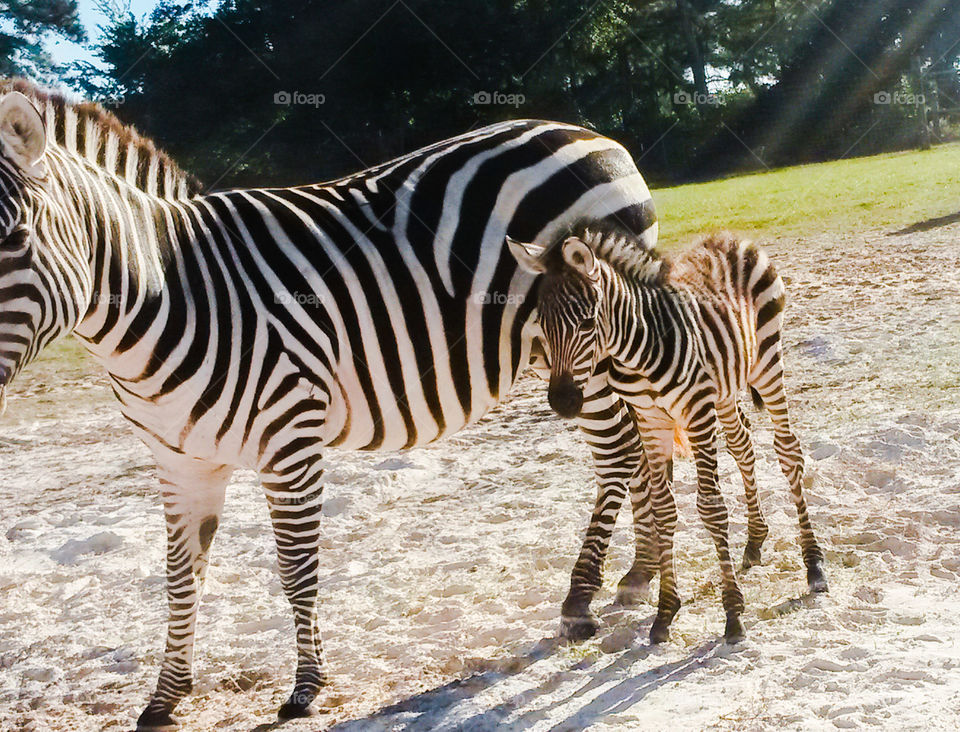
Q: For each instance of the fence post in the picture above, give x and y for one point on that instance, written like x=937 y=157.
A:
x=935 y=109
x=921 y=103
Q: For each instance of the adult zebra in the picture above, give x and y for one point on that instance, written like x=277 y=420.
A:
x=255 y=327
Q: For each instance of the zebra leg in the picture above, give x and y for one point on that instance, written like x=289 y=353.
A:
x=634 y=586
x=713 y=513
x=740 y=445
x=791 y=463
x=193 y=493
x=294 y=493
x=657 y=435
x=614 y=441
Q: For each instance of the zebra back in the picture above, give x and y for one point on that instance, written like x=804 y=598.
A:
x=741 y=298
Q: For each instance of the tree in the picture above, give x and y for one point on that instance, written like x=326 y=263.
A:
x=27 y=24
x=825 y=102
x=257 y=92
x=694 y=48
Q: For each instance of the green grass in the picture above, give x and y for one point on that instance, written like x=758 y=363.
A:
x=884 y=192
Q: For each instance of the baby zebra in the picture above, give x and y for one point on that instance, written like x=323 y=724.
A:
x=684 y=337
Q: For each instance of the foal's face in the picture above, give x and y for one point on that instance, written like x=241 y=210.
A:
x=568 y=306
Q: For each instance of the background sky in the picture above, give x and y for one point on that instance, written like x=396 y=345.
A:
x=91 y=17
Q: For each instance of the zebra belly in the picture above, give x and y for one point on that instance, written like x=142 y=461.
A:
x=356 y=424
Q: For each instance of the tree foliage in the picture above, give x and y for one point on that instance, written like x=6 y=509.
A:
x=370 y=79
x=25 y=25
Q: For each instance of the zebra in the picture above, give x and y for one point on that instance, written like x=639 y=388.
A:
x=681 y=339
x=256 y=328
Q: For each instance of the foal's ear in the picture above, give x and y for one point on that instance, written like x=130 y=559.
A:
x=527 y=255
x=579 y=256
x=23 y=138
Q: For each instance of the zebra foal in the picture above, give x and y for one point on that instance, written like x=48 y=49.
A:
x=679 y=340
x=257 y=328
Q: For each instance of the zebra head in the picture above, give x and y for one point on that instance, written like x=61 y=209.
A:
x=568 y=305
x=24 y=292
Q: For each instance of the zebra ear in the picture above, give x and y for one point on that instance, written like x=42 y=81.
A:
x=527 y=255
x=23 y=137
x=579 y=256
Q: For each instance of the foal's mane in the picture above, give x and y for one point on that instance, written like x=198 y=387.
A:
x=623 y=251
x=96 y=135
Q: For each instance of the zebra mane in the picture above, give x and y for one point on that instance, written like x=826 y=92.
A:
x=624 y=252
x=93 y=133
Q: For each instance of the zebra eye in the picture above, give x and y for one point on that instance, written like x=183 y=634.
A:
x=587 y=324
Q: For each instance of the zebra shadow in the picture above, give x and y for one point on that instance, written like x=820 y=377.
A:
x=438 y=708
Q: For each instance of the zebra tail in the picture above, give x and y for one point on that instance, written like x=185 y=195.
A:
x=757 y=399
x=681 y=443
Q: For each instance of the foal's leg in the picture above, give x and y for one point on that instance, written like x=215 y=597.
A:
x=656 y=431
x=740 y=445
x=791 y=463
x=713 y=512
x=193 y=493
x=611 y=433
x=635 y=584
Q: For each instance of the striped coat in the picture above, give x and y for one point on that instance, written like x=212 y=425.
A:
x=256 y=328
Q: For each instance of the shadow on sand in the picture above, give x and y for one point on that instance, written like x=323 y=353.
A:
x=928 y=224
x=429 y=710
x=435 y=709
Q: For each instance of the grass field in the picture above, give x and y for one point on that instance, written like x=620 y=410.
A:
x=887 y=192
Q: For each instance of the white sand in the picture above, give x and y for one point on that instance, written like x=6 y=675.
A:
x=446 y=566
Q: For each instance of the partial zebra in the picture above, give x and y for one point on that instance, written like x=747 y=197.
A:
x=255 y=327
x=679 y=340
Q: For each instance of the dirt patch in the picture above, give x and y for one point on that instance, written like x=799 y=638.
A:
x=445 y=566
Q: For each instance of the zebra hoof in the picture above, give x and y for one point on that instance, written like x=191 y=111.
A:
x=578 y=627
x=631 y=595
x=733 y=632
x=751 y=556
x=660 y=631
x=816 y=579
x=157 y=719
x=294 y=710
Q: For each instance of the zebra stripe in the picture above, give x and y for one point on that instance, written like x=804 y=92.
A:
x=256 y=327
x=680 y=338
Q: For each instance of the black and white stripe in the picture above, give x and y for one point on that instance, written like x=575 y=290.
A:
x=256 y=327
x=678 y=340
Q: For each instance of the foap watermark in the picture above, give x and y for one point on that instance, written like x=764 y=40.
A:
x=285 y=297
x=499 y=298
x=112 y=100
x=299 y=99
x=108 y=298
x=287 y=499
x=905 y=98
x=485 y=98
x=695 y=99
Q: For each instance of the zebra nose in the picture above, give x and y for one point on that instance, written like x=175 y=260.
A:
x=565 y=396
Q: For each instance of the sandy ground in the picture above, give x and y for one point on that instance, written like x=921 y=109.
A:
x=445 y=567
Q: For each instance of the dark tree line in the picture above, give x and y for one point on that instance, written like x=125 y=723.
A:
x=285 y=91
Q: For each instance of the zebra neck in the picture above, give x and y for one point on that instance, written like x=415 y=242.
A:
x=643 y=317
x=127 y=249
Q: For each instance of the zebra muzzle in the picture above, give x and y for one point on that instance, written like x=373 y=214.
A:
x=565 y=396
